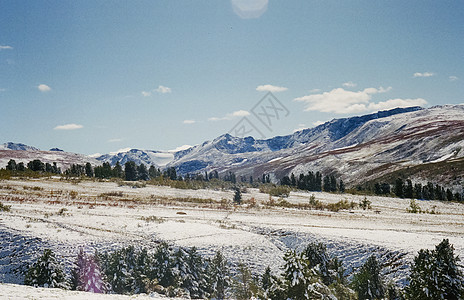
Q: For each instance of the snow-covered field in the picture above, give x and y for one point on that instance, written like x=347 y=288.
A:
x=49 y=213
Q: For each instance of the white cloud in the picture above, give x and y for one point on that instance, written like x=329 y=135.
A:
x=239 y=113
x=146 y=94
x=114 y=140
x=393 y=103
x=425 y=74
x=341 y=101
x=180 y=148
x=453 y=78
x=315 y=91
x=162 y=89
x=270 y=88
x=249 y=9
x=68 y=127
x=230 y=116
x=349 y=84
x=189 y=122
x=124 y=150
x=44 y=88
x=6 y=47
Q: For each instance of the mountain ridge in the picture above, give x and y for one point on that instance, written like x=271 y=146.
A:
x=352 y=147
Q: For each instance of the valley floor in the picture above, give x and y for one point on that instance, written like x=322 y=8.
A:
x=63 y=215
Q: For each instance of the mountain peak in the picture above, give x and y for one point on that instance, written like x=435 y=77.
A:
x=17 y=146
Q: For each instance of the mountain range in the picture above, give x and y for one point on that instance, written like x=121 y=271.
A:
x=415 y=141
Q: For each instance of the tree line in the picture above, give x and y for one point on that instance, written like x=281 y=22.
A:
x=314 y=182
x=407 y=189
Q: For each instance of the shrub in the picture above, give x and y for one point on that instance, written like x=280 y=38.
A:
x=279 y=191
x=5 y=208
x=413 y=208
x=46 y=272
x=365 y=204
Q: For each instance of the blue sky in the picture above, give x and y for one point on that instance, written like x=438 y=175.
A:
x=98 y=76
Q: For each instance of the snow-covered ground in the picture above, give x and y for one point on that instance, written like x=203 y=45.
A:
x=50 y=213
x=17 y=292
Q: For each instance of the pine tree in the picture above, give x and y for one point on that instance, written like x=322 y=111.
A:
x=342 y=186
x=218 y=276
x=88 y=170
x=117 y=170
x=317 y=256
x=162 y=266
x=11 y=165
x=237 y=196
x=130 y=170
x=244 y=285
x=46 y=272
x=142 y=172
x=435 y=274
x=195 y=279
x=399 y=188
x=368 y=282
x=293 y=180
x=296 y=275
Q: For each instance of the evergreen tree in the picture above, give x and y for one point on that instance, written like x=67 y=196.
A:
x=153 y=172
x=171 y=173
x=399 y=188
x=418 y=191
x=408 y=190
x=36 y=165
x=142 y=172
x=11 y=165
x=88 y=170
x=368 y=282
x=326 y=183
x=318 y=181
x=285 y=181
x=237 y=196
x=117 y=170
x=317 y=256
x=296 y=275
x=130 y=171
x=162 y=266
x=20 y=167
x=293 y=180
x=244 y=285
x=195 y=279
x=46 y=272
x=342 y=186
x=218 y=276
x=435 y=274
x=87 y=275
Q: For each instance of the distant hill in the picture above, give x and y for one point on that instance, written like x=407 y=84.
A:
x=24 y=153
x=400 y=142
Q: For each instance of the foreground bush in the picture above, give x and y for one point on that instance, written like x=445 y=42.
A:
x=46 y=272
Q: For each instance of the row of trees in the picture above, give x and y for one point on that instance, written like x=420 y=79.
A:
x=309 y=274
x=408 y=189
x=34 y=165
x=314 y=182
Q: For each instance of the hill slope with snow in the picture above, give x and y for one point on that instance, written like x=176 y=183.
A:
x=356 y=148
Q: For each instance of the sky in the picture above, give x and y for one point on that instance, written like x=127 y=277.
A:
x=98 y=76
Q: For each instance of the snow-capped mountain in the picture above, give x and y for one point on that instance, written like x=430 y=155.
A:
x=17 y=146
x=24 y=153
x=356 y=149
